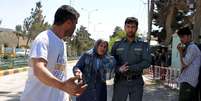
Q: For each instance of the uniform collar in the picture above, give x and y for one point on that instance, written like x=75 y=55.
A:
x=126 y=40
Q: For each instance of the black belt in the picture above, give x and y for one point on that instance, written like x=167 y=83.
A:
x=130 y=77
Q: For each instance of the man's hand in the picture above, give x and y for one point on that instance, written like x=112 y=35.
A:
x=72 y=88
x=123 y=68
x=181 y=52
x=182 y=69
x=81 y=88
x=180 y=48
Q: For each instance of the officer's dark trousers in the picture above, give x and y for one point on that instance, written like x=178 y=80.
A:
x=133 y=88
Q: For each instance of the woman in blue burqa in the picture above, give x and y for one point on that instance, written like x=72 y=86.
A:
x=94 y=67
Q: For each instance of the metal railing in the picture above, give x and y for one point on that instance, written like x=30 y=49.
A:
x=9 y=63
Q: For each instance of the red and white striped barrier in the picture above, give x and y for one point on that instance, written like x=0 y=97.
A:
x=167 y=75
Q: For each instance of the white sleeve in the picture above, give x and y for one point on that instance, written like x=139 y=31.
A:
x=39 y=49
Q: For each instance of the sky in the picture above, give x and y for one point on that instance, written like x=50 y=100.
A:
x=99 y=16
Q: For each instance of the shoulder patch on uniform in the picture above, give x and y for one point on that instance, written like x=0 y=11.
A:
x=120 y=49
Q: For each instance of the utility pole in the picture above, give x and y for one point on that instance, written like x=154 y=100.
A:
x=70 y=2
x=148 y=33
x=150 y=15
x=89 y=17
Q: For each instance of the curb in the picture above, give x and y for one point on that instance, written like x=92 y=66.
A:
x=13 y=71
x=71 y=61
x=20 y=69
x=148 y=80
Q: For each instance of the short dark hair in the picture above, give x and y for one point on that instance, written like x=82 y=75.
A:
x=65 y=12
x=184 y=31
x=130 y=20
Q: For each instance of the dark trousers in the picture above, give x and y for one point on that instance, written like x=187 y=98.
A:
x=198 y=92
x=199 y=95
x=133 y=88
x=187 y=92
x=97 y=93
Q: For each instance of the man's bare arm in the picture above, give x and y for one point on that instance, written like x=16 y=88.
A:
x=44 y=75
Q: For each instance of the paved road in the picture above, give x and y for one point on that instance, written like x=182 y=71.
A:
x=152 y=91
x=11 y=87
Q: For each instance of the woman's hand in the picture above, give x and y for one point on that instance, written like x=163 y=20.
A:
x=78 y=73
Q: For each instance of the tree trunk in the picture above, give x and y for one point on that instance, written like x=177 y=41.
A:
x=197 y=22
x=27 y=43
x=18 y=41
x=168 y=24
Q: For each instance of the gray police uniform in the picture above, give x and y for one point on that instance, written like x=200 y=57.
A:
x=136 y=54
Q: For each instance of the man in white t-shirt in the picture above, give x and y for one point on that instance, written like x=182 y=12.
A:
x=47 y=75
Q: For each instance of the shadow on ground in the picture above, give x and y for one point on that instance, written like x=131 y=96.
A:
x=10 y=96
x=152 y=92
x=158 y=92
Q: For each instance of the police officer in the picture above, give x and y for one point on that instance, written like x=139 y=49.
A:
x=132 y=57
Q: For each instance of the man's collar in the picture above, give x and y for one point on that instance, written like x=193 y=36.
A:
x=126 y=40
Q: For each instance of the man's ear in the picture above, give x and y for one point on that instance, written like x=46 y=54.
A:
x=67 y=23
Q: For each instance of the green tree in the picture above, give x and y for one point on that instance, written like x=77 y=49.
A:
x=170 y=15
x=81 y=42
x=18 y=32
x=196 y=27
x=117 y=35
x=34 y=24
x=116 y=30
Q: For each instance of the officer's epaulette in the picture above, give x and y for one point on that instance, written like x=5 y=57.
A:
x=118 y=40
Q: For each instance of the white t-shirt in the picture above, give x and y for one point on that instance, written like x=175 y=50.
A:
x=51 y=48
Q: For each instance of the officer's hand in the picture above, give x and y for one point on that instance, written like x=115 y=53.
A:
x=123 y=68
